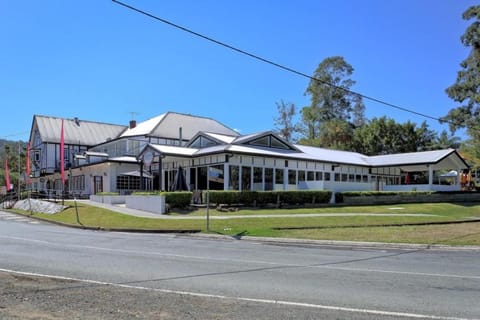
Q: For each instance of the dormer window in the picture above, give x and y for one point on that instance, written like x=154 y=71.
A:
x=202 y=142
x=270 y=142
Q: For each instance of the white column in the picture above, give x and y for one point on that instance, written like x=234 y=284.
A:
x=430 y=176
x=285 y=179
x=263 y=179
x=226 y=176
x=251 y=178
x=187 y=178
x=240 y=177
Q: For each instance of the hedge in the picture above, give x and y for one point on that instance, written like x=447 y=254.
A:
x=177 y=199
x=253 y=198
x=383 y=193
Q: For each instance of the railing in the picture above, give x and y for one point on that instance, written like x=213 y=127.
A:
x=8 y=200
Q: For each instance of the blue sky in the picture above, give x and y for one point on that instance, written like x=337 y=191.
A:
x=96 y=60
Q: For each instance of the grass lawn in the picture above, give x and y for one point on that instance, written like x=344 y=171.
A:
x=356 y=228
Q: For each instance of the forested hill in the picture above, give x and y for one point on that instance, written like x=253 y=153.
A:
x=11 y=144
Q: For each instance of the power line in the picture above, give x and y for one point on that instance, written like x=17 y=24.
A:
x=283 y=67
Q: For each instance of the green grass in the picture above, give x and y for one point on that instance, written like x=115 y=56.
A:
x=326 y=227
x=444 y=209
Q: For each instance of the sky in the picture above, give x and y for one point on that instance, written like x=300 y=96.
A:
x=99 y=61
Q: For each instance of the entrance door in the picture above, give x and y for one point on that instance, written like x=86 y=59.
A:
x=97 y=184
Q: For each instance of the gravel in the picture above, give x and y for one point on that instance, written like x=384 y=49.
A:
x=39 y=206
x=39 y=298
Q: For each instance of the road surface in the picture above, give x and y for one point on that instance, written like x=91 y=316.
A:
x=256 y=279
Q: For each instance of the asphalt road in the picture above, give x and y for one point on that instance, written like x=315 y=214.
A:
x=287 y=281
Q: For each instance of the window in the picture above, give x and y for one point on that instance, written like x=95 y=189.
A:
x=268 y=179
x=269 y=141
x=311 y=176
x=278 y=176
x=275 y=143
x=246 y=178
x=78 y=183
x=233 y=172
x=216 y=177
x=263 y=141
x=327 y=176
x=257 y=178
x=292 y=177
x=319 y=176
x=301 y=175
x=202 y=142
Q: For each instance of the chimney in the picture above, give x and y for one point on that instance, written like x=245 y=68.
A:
x=133 y=124
x=180 y=136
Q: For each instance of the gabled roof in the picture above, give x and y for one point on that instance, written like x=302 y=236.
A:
x=168 y=150
x=416 y=160
x=251 y=138
x=333 y=156
x=144 y=128
x=79 y=132
x=419 y=161
x=215 y=137
x=167 y=125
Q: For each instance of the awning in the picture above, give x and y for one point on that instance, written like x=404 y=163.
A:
x=136 y=174
x=452 y=173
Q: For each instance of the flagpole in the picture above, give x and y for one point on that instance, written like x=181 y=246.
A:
x=208 y=199
x=62 y=162
x=19 y=173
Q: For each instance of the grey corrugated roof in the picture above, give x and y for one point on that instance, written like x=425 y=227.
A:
x=418 y=158
x=80 y=132
x=333 y=156
x=167 y=126
x=448 y=158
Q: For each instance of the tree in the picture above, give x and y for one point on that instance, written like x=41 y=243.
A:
x=10 y=152
x=466 y=89
x=445 y=141
x=336 y=134
x=358 y=112
x=385 y=136
x=331 y=99
x=284 y=122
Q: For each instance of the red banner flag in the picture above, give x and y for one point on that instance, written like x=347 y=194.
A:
x=7 y=176
x=62 y=156
x=27 y=165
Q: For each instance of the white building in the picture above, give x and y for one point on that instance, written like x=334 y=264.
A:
x=147 y=156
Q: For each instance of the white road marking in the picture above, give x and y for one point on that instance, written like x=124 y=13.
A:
x=266 y=301
x=319 y=266
x=12 y=217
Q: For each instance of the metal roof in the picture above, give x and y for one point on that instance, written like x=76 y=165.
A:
x=167 y=125
x=333 y=156
x=78 y=132
x=418 y=161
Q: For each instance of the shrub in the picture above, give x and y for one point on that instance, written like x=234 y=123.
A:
x=260 y=198
x=177 y=199
x=383 y=193
x=222 y=197
x=107 y=193
x=145 y=193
